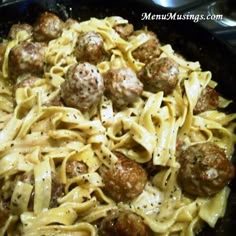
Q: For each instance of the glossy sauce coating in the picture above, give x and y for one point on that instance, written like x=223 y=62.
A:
x=125 y=180
x=122 y=86
x=83 y=86
x=160 y=75
x=47 y=27
x=148 y=50
x=90 y=48
x=26 y=57
x=123 y=223
x=208 y=100
x=204 y=170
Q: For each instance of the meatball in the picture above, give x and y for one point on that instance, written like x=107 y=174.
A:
x=83 y=86
x=160 y=75
x=125 y=180
x=57 y=191
x=26 y=57
x=90 y=48
x=123 y=223
x=26 y=81
x=16 y=28
x=124 y=30
x=204 y=170
x=47 y=27
x=122 y=86
x=208 y=100
x=75 y=168
x=3 y=47
x=148 y=50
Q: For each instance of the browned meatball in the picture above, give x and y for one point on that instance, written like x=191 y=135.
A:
x=69 y=23
x=75 y=168
x=26 y=57
x=125 y=180
x=26 y=81
x=3 y=47
x=4 y=212
x=57 y=191
x=208 y=100
x=160 y=75
x=48 y=26
x=15 y=28
x=90 y=48
x=122 y=86
x=148 y=50
x=83 y=86
x=123 y=223
x=204 y=170
x=124 y=30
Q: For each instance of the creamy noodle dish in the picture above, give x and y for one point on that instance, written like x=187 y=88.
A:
x=106 y=131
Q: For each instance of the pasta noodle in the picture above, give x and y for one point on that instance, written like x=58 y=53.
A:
x=41 y=139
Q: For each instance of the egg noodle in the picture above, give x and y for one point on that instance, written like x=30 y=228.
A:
x=40 y=138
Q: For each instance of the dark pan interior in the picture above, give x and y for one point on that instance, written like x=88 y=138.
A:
x=186 y=37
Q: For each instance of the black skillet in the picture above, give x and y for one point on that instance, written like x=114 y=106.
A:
x=186 y=37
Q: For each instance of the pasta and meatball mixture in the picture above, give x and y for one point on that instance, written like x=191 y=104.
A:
x=104 y=130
